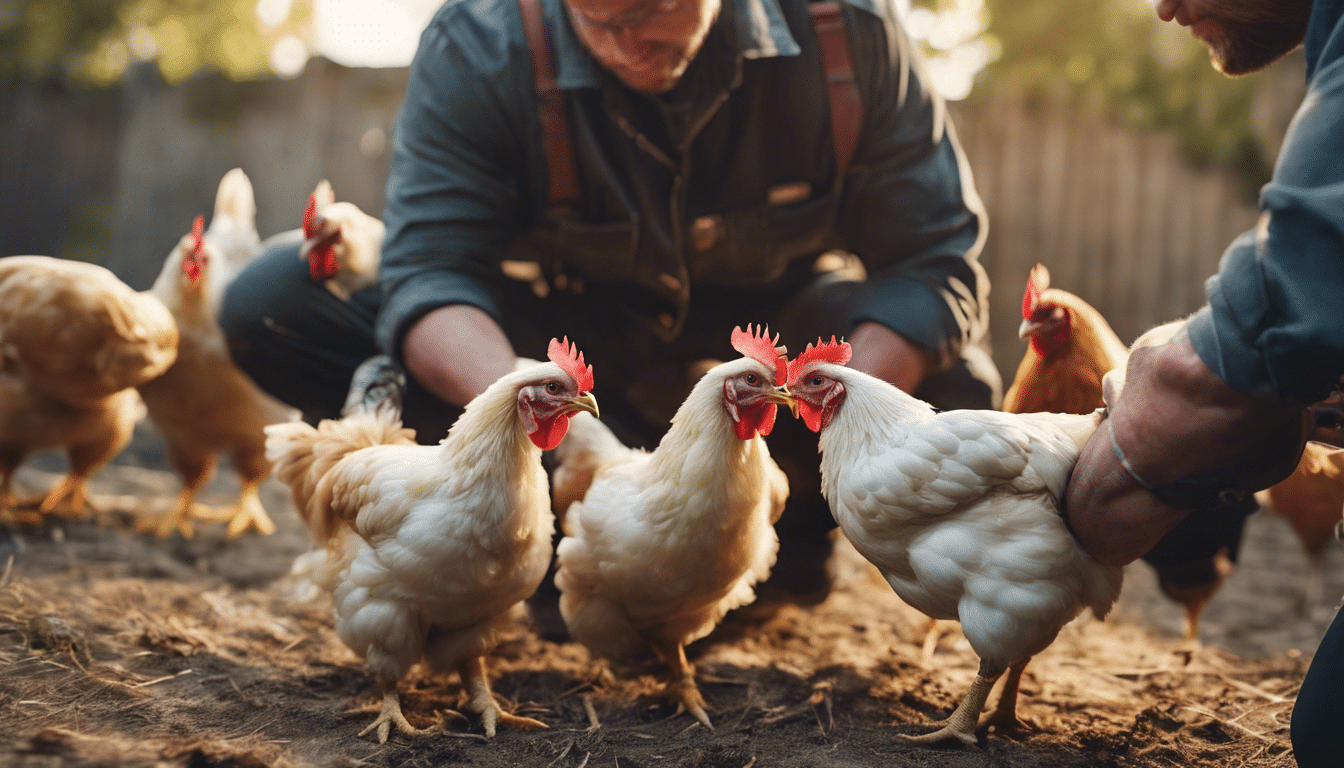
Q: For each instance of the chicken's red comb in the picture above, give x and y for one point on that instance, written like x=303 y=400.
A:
x=197 y=235
x=310 y=216
x=1037 y=281
x=756 y=343
x=568 y=356
x=836 y=352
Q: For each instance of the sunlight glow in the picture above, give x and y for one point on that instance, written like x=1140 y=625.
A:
x=385 y=33
x=370 y=33
x=288 y=56
x=273 y=13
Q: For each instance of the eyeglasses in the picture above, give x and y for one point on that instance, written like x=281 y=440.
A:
x=633 y=20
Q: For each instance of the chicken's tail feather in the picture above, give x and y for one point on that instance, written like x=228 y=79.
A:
x=303 y=455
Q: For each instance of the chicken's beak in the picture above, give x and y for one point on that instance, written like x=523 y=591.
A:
x=1026 y=329
x=782 y=396
x=584 y=402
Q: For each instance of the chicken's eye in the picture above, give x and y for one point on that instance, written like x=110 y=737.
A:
x=552 y=387
x=752 y=379
x=816 y=381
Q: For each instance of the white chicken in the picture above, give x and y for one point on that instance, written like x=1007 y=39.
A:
x=430 y=548
x=664 y=544
x=204 y=405
x=959 y=510
x=342 y=244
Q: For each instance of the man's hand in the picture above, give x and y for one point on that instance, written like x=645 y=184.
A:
x=881 y=352
x=1174 y=419
x=456 y=352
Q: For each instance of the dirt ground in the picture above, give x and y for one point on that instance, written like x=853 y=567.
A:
x=120 y=650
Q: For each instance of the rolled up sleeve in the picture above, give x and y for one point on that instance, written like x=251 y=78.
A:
x=911 y=213
x=453 y=200
x=1275 y=318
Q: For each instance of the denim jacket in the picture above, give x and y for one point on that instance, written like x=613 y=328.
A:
x=730 y=179
x=1275 y=318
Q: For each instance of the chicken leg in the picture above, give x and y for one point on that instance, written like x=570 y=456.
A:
x=681 y=683
x=481 y=701
x=1004 y=717
x=10 y=514
x=962 y=724
x=390 y=715
x=249 y=513
x=195 y=471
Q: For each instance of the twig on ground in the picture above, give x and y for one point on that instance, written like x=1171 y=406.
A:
x=162 y=679
x=1242 y=728
x=593 y=722
x=568 y=747
x=1251 y=689
x=9 y=568
x=821 y=694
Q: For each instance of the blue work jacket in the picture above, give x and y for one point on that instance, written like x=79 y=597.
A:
x=728 y=180
x=1275 y=318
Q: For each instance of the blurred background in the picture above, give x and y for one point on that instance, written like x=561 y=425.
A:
x=1103 y=143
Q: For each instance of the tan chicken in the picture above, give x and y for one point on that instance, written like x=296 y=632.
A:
x=429 y=549
x=664 y=544
x=1312 y=501
x=342 y=244
x=959 y=510
x=74 y=341
x=1072 y=348
x=204 y=405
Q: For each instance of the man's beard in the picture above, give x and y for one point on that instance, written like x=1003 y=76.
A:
x=1249 y=39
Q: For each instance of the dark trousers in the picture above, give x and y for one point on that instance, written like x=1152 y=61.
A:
x=301 y=344
x=1318 y=714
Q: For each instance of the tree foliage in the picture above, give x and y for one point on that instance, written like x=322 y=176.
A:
x=1150 y=74
x=96 y=41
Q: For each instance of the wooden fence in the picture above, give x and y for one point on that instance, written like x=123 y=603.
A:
x=1118 y=216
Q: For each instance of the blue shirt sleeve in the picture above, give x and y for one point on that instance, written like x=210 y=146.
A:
x=453 y=203
x=1275 y=318
x=911 y=212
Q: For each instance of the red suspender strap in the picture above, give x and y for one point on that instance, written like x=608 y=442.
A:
x=560 y=168
x=846 y=107
x=832 y=40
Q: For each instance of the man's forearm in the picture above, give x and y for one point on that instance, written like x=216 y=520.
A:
x=881 y=352
x=456 y=352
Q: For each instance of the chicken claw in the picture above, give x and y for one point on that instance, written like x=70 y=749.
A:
x=1004 y=718
x=249 y=514
x=684 y=691
x=482 y=701
x=962 y=724
x=681 y=686
x=390 y=716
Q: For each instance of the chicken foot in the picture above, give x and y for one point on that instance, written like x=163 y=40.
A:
x=481 y=701
x=10 y=514
x=72 y=485
x=390 y=715
x=249 y=513
x=681 y=686
x=962 y=724
x=179 y=517
x=1004 y=717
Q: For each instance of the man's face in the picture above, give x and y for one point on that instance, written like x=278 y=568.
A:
x=1243 y=35
x=645 y=43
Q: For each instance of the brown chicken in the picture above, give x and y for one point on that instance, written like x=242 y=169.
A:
x=203 y=404
x=74 y=341
x=1065 y=371
x=1312 y=500
x=1072 y=347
